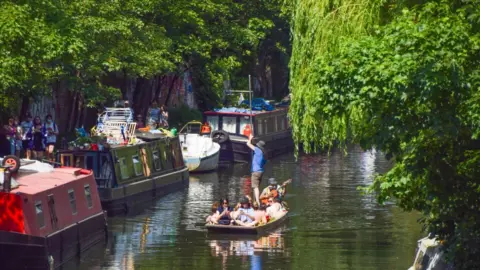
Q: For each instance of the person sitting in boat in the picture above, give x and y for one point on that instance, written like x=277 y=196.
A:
x=274 y=190
x=206 y=129
x=274 y=209
x=270 y=191
x=213 y=218
x=224 y=211
x=260 y=214
x=246 y=214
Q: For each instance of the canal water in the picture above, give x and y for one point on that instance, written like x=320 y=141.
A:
x=332 y=225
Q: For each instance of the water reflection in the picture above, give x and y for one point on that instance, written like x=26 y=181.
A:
x=331 y=225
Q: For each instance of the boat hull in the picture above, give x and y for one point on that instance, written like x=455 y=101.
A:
x=231 y=229
x=20 y=251
x=132 y=198
x=236 y=149
x=207 y=164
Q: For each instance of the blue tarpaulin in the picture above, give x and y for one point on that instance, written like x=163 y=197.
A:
x=259 y=104
x=235 y=110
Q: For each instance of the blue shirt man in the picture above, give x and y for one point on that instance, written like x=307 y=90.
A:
x=258 y=162
x=247 y=214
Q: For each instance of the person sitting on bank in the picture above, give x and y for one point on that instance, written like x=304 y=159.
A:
x=246 y=214
x=223 y=212
x=258 y=162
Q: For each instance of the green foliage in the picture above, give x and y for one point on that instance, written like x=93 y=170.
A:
x=178 y=117
x=410 y=89
x=82 y=42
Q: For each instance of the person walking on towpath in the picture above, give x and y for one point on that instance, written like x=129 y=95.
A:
x=258 y=161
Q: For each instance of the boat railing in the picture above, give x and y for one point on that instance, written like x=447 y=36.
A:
x=117 y=114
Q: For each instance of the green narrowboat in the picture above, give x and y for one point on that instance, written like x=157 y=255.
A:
x=128 y=176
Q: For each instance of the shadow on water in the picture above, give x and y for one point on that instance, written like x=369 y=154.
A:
x=331 y=225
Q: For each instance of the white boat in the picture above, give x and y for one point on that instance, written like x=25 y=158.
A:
x=200 y=153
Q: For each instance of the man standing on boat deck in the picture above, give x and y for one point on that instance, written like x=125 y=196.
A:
x=258 y=161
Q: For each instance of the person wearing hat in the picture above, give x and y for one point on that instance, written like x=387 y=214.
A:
x=258 y=162
x=273 y=190
x=270 y=191
x=246 y=214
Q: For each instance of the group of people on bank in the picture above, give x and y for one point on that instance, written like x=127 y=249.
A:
x=30 y=138
x=157 y=117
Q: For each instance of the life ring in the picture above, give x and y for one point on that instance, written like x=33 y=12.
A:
x=13 y=162
x=219 y=136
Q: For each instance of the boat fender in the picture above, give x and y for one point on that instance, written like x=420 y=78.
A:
x=51 y=262
x=219 y=136
x=84 y=171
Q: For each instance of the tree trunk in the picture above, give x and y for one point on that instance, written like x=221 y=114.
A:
x=170 y=88
x=71 y=118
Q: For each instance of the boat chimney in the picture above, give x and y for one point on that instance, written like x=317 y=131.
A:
x=7 y=179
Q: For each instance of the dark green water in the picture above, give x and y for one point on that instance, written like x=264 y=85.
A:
x=332 y=226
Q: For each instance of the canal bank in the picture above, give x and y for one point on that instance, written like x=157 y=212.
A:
x=332 y=225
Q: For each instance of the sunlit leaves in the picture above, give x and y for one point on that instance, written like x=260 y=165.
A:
x=410 y=89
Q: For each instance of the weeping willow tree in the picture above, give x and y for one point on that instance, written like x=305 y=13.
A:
x=318 y=28
x=408 y=85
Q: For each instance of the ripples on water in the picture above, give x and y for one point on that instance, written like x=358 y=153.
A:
x=331 y=225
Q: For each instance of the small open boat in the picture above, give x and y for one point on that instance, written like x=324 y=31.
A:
x=233 y=229
x=200 y=153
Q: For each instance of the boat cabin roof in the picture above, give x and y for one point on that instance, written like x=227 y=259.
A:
x=33 y=183
x=243 y=112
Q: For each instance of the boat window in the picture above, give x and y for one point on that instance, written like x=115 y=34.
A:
x=280 y=122
x=213 y=121
x=259 y=130
x=79 y=162
x=157 y=163
x=39 y=213
x=229 y=124
x=88 y=196
x=89 y=163
x=123 y=168
x=137 y=165
x=73 y=203
x=270 y=124
x=244 y=121
x=66 y=160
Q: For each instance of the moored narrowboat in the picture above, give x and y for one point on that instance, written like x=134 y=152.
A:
x=48 y=215
x=232 y=126
x=128 y=176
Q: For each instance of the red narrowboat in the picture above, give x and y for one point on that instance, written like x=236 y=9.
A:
x=47 y=215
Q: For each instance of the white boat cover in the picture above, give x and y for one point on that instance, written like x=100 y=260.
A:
x=32 y=166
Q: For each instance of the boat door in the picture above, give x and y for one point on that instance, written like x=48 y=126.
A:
x=53 y=213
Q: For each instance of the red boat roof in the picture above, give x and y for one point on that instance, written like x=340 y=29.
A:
x=38 y=182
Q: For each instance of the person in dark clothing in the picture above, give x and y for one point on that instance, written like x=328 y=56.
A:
x=37 y=143
x=223 y=212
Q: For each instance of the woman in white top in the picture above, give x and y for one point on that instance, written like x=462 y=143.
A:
x=275 y=208
x=50 y=130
